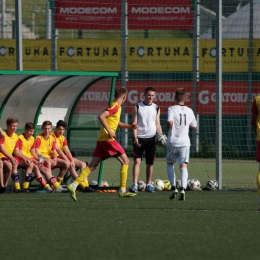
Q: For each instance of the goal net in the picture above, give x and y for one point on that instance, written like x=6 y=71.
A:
x=163 y=44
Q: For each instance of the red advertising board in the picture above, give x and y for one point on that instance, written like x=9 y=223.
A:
x=106 y=14
x=234 y=97
x=160 y=15
x=88 y=15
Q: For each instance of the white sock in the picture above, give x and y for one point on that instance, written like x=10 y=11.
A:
x=184 y=177
x=171 y=174
x=74 y=185
x=122 y=191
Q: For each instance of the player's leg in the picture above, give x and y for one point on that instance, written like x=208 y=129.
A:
x=63 y=166
x=124 y=160
x=7 y=168
x=171 y=159
x=183 y=160
x=150 y=150
x=258 y=187
x=85 y=184
x=28 y=174
x=82 y=176
x=39 y=178
x=14 y=173
x=2 y=187
x=138 y=154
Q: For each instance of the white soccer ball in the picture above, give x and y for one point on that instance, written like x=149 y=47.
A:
x=212 y=184
x=104 y=184
x=161 y=139
x=167 y=185
x=194 y=184
x=93 y=182
x=141 y=185
x=158 y=185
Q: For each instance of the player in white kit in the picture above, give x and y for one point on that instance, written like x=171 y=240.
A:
x=179 y=119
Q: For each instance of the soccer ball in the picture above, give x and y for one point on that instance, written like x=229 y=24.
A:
x=167 y=185
x=194 y=184
x=212 y=184
x=158 y=185
x=104 y=184
x=93 y=182
x=161 y=139
x=141 y=185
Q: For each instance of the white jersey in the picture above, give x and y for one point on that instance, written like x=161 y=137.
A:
x=182 y=118
x=146 y=120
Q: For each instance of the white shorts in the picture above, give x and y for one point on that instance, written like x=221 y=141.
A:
x=181 y=154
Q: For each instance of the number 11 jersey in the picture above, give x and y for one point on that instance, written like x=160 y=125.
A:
x=182 y=118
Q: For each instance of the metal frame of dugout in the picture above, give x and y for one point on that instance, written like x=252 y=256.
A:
x=36 y=96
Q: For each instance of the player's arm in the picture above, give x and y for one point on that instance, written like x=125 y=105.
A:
x=2 y=134
x=54 y=151
x=127 y=126
x=158 y=124
x=169 y=122
x=102 y=118
x=134 y=122
x=68 y=155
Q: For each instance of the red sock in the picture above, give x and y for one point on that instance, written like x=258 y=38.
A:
x=41 y=181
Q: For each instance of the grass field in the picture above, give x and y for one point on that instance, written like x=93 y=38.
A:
x=208 y=225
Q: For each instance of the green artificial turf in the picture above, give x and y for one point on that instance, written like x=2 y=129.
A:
x=208 y=225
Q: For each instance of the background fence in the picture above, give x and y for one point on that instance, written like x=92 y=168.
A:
x=165 y=44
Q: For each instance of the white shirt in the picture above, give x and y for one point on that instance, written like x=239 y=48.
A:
x=146 y=120
x=182 y=118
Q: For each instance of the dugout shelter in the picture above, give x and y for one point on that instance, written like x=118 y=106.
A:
x=36 y=96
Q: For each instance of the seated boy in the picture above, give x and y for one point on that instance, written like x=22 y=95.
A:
x=65 y=154
x=23 y=151
x=7 y=145
x=45 y=146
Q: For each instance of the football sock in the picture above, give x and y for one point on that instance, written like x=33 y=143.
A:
x=27 y=181
x=84 y=184
x=56 y=185
x=41 y=181
x=46 y=186
x=82 y=176
x=123 y=177
x=184 y=177
x=171 y=174
x=15 y=178
x=258 y=184
x=59 y=179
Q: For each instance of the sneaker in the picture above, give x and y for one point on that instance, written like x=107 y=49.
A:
x=126 y=194
x=133 y=188
x=72 y=192
x=3 y=189
x=49 y=190
x=18 y=191
x=89 y=189
x=149 y=188
x=182 y=195
x=61 y=189
x=173 y=194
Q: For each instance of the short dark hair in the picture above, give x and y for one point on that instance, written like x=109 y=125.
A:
x=120 y=91
x=45 y=123
x=149 y=89
x=61 y=123
x=11 y=120
x=180 y=94
x=29 y=126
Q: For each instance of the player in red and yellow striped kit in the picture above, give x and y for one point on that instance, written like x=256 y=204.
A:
x=107 y=146
x=45 y=145
x=7 y=145
x=65 y=154
x=23 y=151
x=255 y=122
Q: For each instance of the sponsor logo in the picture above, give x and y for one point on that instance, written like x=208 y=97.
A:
x=88 y=10
x=160 y=10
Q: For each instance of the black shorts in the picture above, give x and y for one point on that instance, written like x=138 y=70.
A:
x=148 y=146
